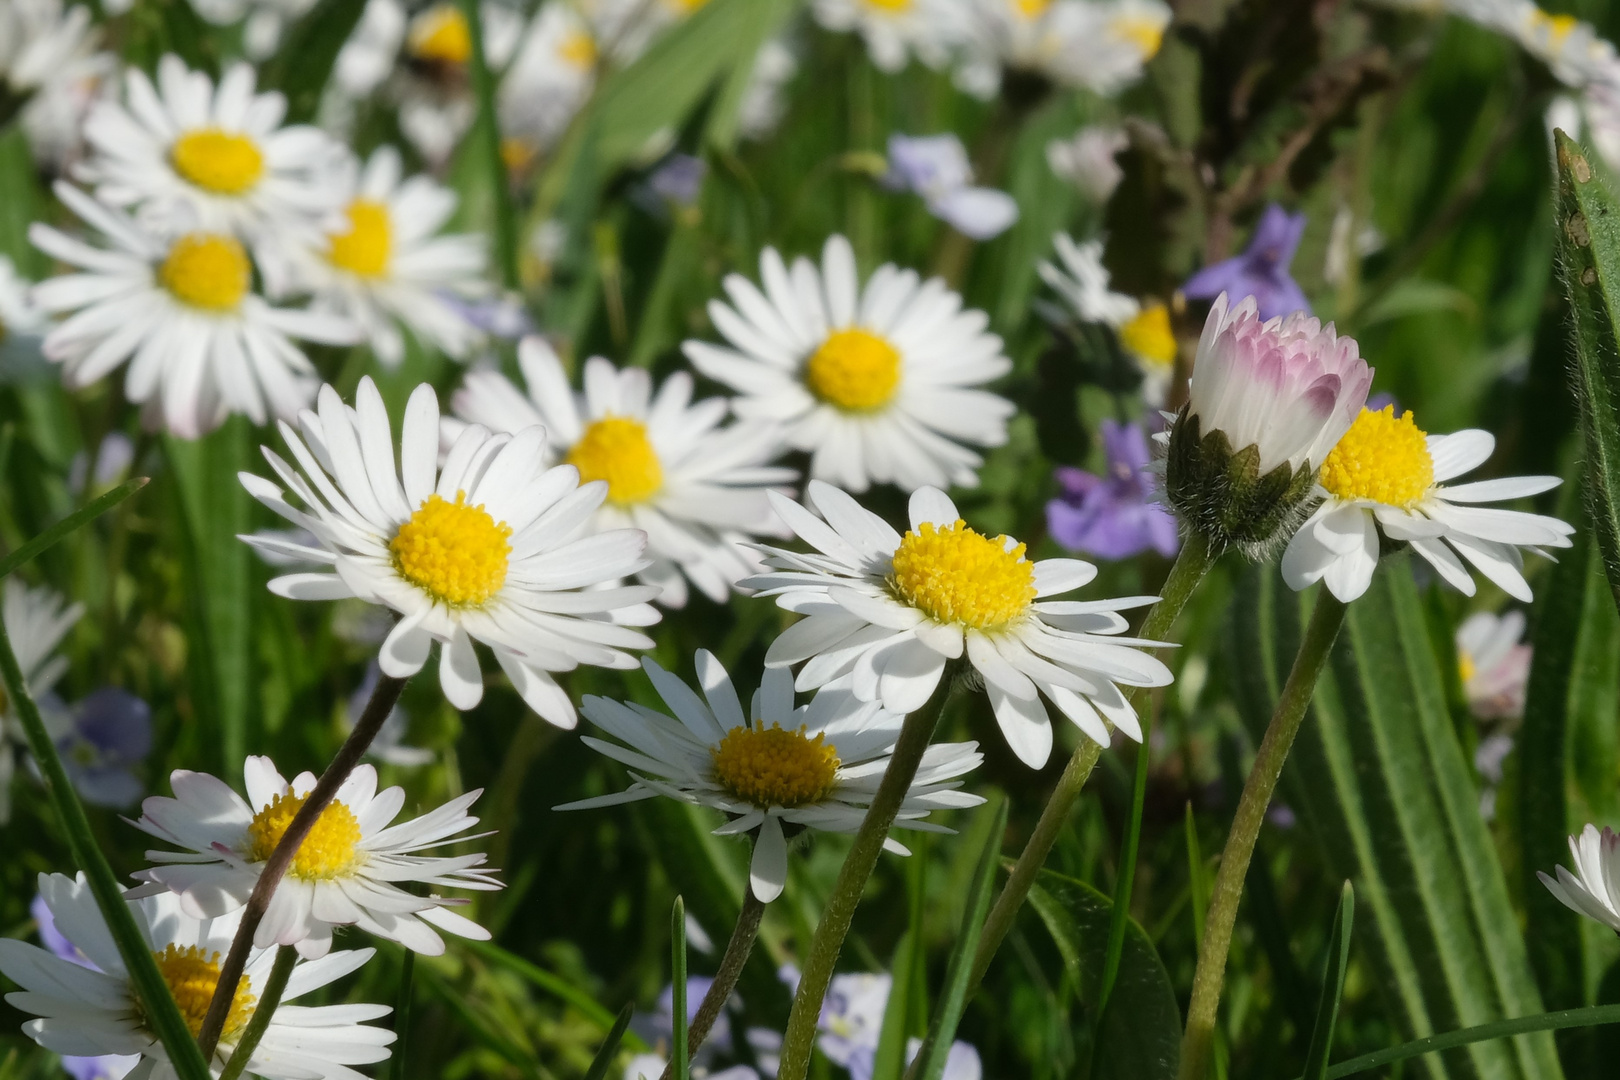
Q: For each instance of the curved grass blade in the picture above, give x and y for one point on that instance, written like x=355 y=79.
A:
x=552 y=984
x=1327 y=1008
x=70 y=524
x=610 y=1045
x=888 y=1061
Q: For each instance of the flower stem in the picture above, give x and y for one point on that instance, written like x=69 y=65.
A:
x=828 y=940
x=1210 y=974
x=383 y=698
x=1192 y=563
x=274 y=987
x=725 y=980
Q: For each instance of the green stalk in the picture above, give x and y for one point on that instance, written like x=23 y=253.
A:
x=741 y=944
x=828 y=940
x=489 y=131
x=263 y=1012
x=1192 y=563
x=1210 y=974
x=680 y=1063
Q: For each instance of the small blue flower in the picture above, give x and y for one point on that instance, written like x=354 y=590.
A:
x=936 y=167
x=1261 y=271
x=102 y=740
x=1116 y=515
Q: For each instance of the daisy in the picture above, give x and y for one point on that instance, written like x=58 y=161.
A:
x=1086 y=159
x=1594 y=889
x=40 y=44
x=36 y=622
x=1493 y=664
x=219 y=158
x=92 y=1010
x=814 y=766
x=695 y=488
x=434 y=88
x=894 y=30
x=368 y=56
x=892 y=609
x=549 y=80
x=1143 y=330
x=1105 y=43
x=763 y=101
x=382 y=263
x=491 y=547
x=21 y=321
x=879 y=384
x=1384 y=481
x=347 y=872
x=182 y=310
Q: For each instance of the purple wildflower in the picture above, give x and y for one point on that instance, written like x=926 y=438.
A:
x=1261 y=271
x=1113 y=516
x=105 y=737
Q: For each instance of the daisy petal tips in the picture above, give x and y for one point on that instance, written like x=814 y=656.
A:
x=1594 y=889
x=489 y=547
x=888 y=611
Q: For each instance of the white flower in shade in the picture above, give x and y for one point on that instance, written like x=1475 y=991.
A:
x=1105 y=42
x=40 y=44
x=814 y=766
x=1594 y=889
x=895 y=30
x=1572 y=48
x=368 y=56
x=490 y=547
x=21 y=321
x=549 y=80
x=200 y=343
x=880 y=384
x=763 y=105
x=1086 y=160
x=1143 y=330
x=219 y=158
x=937 y=168
x=349 y=871
x=383 y=264
x=697 y=489
x=891 y=610
x=1494 y=664
x=36 y=622
x=91 y=1011
x=1387 y=477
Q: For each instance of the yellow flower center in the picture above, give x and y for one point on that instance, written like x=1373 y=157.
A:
x=772 y=767
x=1148 y=336
x=453 y=552
x=365 y=248
x=517 y=154
x=1558 y=27
x=208 y=271
x=1465 y=667
x=218 y=161
x=1382 y=458
x=1146 y=34
x=616 y=449
x=579 y=49
x=1031 y=9
x=855 y=370
x=329 y=850
x=441 y=35
x=895 y=6
x=192 y=976
x=956 y=575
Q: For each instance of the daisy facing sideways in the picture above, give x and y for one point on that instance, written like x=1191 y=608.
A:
x=344 y=874
x=36 y=622
x=814 y=766
x=1384 y=481
x=182 y=311
x=890 y=610
x=880 y=384
x=87 y=1011
x=696 y=488
x=491 y=547
x=1593 y=889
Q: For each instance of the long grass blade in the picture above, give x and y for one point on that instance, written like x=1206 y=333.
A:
x=1327 y=1009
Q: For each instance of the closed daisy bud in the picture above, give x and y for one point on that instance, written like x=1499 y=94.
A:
x=1267 y=401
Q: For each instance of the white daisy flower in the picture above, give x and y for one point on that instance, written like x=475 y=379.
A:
x=814 y=766
x=491 y=547
x=41 y=44
x=1594 y=889
x=434 y=91
x=21 y=322
x=879 y=384
x=763 y=101
x=1493 y=664
x=368 y=56
x=1105 y=43
x=1086 y=159
x=216 y=157
x=549 y=80
x=1143 y=331
x=892 y=609
x=1385 y=479
x=91 y=1011
x=36 y=622
x=347 y=872
x=383 y=263
x=695 y=488
x=895 y=30
x=199 y=341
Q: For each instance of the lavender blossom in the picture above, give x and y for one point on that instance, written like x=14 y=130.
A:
x=1116 y=515
x=1261 y=271
x=936 y=167
x=101 y=740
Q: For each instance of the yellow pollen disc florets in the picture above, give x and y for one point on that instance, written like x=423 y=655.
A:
x=893 y=6
x=616 y=449
x=956 y=575
x=208 y=271
x=330 y=849
x=855 y=370
x=1382 y=457
x=365 y=248
x=441 y=35
x=578 y=49
x=1465 y=667
x=774 y=767
x=1146 y=34
x=192 y=976
x=454 y=552
x=218 y=161
x=1030 y=9
x=1148 y=335
x=1558 y=27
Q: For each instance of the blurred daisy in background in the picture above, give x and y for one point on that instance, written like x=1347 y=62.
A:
x=697 y=489
x=548 y=81
x=1493 y=663
x=937 y=168
x=1143 y=330
x=1104 y=43
x=763 y=105
x=896 y=30
x=36 y=620
x=22 y=324
x=491 y=547
x=433 y=87
x=880 y=384
x=367 y=57
x=814 y=766
x=1086 y=159
x=51 y=71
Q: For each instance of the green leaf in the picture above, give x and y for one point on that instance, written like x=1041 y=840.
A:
x=889 y=1060
x=610 y=1045
x=70 y=524
x=304 y=64
x=1140 y=1035
x=679 y=1065
x=547 y=981
x=1382 y=785
x=1327 y=1008
x=1589 y=252
x=765 y=18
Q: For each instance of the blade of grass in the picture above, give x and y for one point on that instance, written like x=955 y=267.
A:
x=1197 y=880
x=402 y=1014
x=489 y=131
x=70 y=524
x=889 y=1060
x=610 y=1045
x=1327 y=1009
x=549 y=982
x=681 y=1067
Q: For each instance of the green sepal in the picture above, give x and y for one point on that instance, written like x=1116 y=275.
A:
x=1222 y=494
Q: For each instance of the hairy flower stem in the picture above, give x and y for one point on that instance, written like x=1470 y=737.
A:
x=383 y=699
x=915 y=734
x=263 y=1012
x=1193 y=562
x=725 y=980
x=1210 y=974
